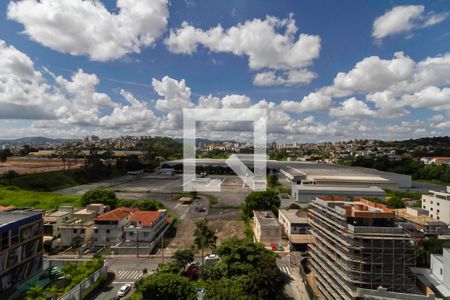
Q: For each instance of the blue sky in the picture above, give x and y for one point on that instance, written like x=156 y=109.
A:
x=84 y=61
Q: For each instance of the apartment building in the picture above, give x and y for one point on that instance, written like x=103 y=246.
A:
x=438 y=205
x=358 y=248
x=81 y=224
x=54 y=220
x=20 y=247
x=145 y=225
x=436 y=279
x=295 y=226
x=108 y=227
x=266 y=228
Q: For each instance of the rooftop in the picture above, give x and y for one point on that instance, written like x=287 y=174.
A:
x=14 y=216
x=358 y=207
x=117 y=214
x=6 y=208
x=294 y=215
x=420 y=220
x=146 y=218
x=266 y=218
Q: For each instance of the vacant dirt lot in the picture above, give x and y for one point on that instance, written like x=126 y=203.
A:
x=27 y=166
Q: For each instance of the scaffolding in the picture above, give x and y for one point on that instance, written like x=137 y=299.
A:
x=358 y=246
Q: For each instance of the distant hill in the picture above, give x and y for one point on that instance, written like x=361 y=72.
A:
x=206 y=141
x=438 y=141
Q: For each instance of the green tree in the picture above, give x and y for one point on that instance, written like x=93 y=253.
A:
x=52 y=292
x=166 y=286
x=99 y=196
x=10 y=175
x=228 y=288
x=242 y=257
x=267 y=200
x=294 y=206
x=4 y=154
x=181 y=258
x=272 y=180
x=204 y=237
x=76 y=243
x=36 y=292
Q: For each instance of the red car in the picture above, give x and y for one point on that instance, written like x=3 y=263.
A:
x=274 y=247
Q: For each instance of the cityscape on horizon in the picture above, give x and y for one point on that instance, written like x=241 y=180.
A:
x=241 y=149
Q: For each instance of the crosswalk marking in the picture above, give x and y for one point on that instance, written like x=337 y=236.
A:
x=129 y=274
x=286 y=270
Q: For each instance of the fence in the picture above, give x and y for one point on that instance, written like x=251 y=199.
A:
x=80 y=290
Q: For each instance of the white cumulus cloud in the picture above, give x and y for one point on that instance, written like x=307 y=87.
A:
x=403 y=19
x=87 y=28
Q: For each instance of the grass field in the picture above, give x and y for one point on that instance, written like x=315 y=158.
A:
x=11 y=195
x=50 y=181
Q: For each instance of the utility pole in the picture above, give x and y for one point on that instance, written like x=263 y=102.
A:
x=162 y=247
x=137 y=243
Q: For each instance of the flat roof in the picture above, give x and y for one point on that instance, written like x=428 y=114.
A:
x=8 y=219
x=294 y=215
x=352 y=178
x=266 y=218
x=314 y=187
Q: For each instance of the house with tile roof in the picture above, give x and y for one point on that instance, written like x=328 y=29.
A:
x=108 y=227
x=145 y=225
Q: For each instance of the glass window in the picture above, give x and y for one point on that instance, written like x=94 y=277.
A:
x=75 y=231
x=14 y=236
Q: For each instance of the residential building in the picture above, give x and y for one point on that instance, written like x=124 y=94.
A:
x=81 y=224
x=20 y=247
x=296 y=227
x=54 y=220
x=438 y=205
x=266 y=228
x=358 y=246
x=108 y=227
x=422 y=221
x=143 y=232
x=436 y=279
x=145 y=225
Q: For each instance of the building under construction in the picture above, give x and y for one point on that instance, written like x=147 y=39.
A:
x=358 y=247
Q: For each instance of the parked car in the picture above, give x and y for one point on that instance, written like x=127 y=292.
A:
x=212 y=257
x=274 y=247
x=124 y=290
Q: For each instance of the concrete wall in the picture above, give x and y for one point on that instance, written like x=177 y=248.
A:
x=438 y=208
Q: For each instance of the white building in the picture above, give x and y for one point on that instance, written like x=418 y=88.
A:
x=305 y=193
x=108 y=227
x=438 y=205
x=266 y=228
x=144 y=226
x=436 y=280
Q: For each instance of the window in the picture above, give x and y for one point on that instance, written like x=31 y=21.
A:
x=107 y=240
x=75 y=231
x=82 y=230
x=424 y=206
x=131 y=233
x=438 y=203
x=437 y=210
x=431 y=202
x=441 y=271
x=431 y=208
x=95 y=240
x=107 y=230
x=437 y=218
x=424 y=200
x=96 y=230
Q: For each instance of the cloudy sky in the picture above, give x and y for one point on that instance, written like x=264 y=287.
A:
x=324 y=70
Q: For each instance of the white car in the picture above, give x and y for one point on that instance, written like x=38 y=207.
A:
x=124 y=290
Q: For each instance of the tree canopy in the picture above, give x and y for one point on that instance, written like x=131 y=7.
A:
x=267 y=200
x=166 y=286
x=100 y=196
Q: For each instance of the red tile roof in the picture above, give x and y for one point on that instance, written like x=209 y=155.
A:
x=146 y=218
x=117 y=214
